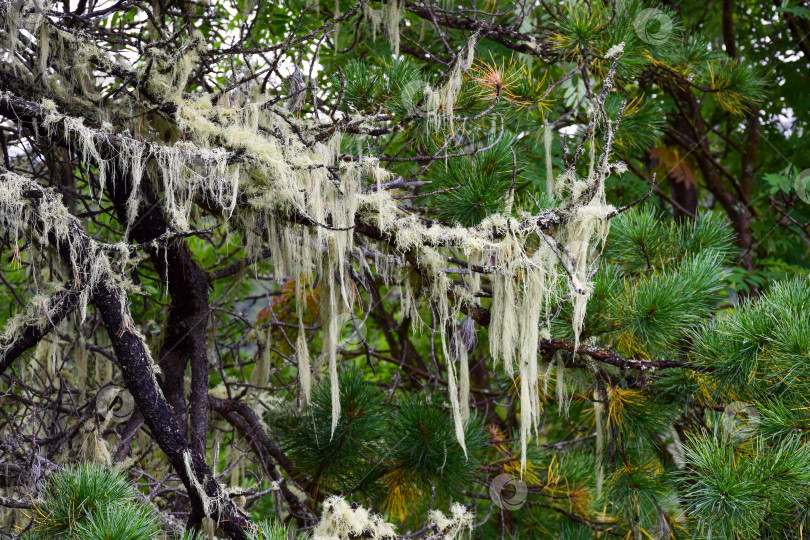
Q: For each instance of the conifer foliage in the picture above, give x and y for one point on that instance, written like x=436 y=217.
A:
x=401 y=269
x=89 y=501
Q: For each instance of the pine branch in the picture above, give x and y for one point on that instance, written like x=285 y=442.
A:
x=550 y=346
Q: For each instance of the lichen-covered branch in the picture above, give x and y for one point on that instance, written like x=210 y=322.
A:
x=41 y=316
x=25 y=204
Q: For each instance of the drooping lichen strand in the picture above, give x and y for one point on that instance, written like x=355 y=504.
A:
x=331 y=315
x=261 y=369
x=458 y=420
x=208 y=503
x=464 y=380
x=44 y=47
x=388 y=17
x=587 y=229
x=301 y=348
x=270 y=174
x=440 y=102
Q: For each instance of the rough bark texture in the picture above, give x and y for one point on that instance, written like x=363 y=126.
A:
x=139 y=379
x=733 y=194
x=60 y=305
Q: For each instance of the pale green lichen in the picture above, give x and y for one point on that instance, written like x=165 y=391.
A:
x=261 y=369
x=302 y=201
x=168 y=72
x=208 y=503
x=343 y=521
x=450 y=528
x=440 y=102
x=547 y=148
x=388 y=17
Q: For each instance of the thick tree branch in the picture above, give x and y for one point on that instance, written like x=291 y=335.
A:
x=248 y=424
x=76 y=249
x=58 y=306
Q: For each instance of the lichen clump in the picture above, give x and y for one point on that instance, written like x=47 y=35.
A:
x=283 y=182
x=342 y=520
x=450 y=528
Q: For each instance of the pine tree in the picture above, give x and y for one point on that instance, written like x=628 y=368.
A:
x=390 y=269
x=87 y=501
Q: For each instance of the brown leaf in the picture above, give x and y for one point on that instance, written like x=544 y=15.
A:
x=675 y=166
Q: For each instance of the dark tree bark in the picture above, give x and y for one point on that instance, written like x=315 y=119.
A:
x=185 y=330
x=691 y=133
x=60 y=305
x=140 y=380
x=728 y=28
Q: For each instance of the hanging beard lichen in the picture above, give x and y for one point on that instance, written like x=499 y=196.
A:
x=389 y=17
x=547 y=148
x=440 y=102
x=301 y=348
x=277 y=179
x=261 y=369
